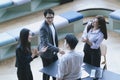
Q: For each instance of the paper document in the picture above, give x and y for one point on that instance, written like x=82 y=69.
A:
x=84 y=74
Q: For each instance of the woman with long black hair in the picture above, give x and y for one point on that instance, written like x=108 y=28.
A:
x=24 y=55
x=93 y=35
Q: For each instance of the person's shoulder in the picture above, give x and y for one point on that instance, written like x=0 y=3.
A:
x=64 y=57
x=81 y=54
x=43 y=27
x=18 y=49
x=42 y=24
x=18 y=46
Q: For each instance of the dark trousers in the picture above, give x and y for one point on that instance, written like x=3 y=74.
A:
x=24 y=74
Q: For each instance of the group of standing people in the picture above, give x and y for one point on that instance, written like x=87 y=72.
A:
x=70 y=63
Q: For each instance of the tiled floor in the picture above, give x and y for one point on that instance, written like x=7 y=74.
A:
x=7 y=69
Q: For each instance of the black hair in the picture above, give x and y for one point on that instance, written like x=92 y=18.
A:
x=71 y=40
x=102 y=25
x=89 y=27
x=48 y=11
x=24 y=34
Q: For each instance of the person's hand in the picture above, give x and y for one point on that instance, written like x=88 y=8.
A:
x=43 y=49
x=61 y=51
x=34 y=52
x=84 y=40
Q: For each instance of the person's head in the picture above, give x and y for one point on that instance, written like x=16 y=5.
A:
x=99 y=22
x=49 y=16
x=25 y=37
x=71 y=41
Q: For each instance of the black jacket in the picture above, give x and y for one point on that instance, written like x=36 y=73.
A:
x=46 y=39
x=23 y=58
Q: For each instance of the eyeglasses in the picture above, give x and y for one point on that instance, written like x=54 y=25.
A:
x=49 y=17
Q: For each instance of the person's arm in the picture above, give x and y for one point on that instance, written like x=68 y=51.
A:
x=84 y=35
x=42 y=50
x=61 y=69
x=87 y=41
x=34 y=54
x=96 y=44
x=22 y=58
x=45 y=41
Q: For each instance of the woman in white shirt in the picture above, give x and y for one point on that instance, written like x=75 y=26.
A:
x=93 y=35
